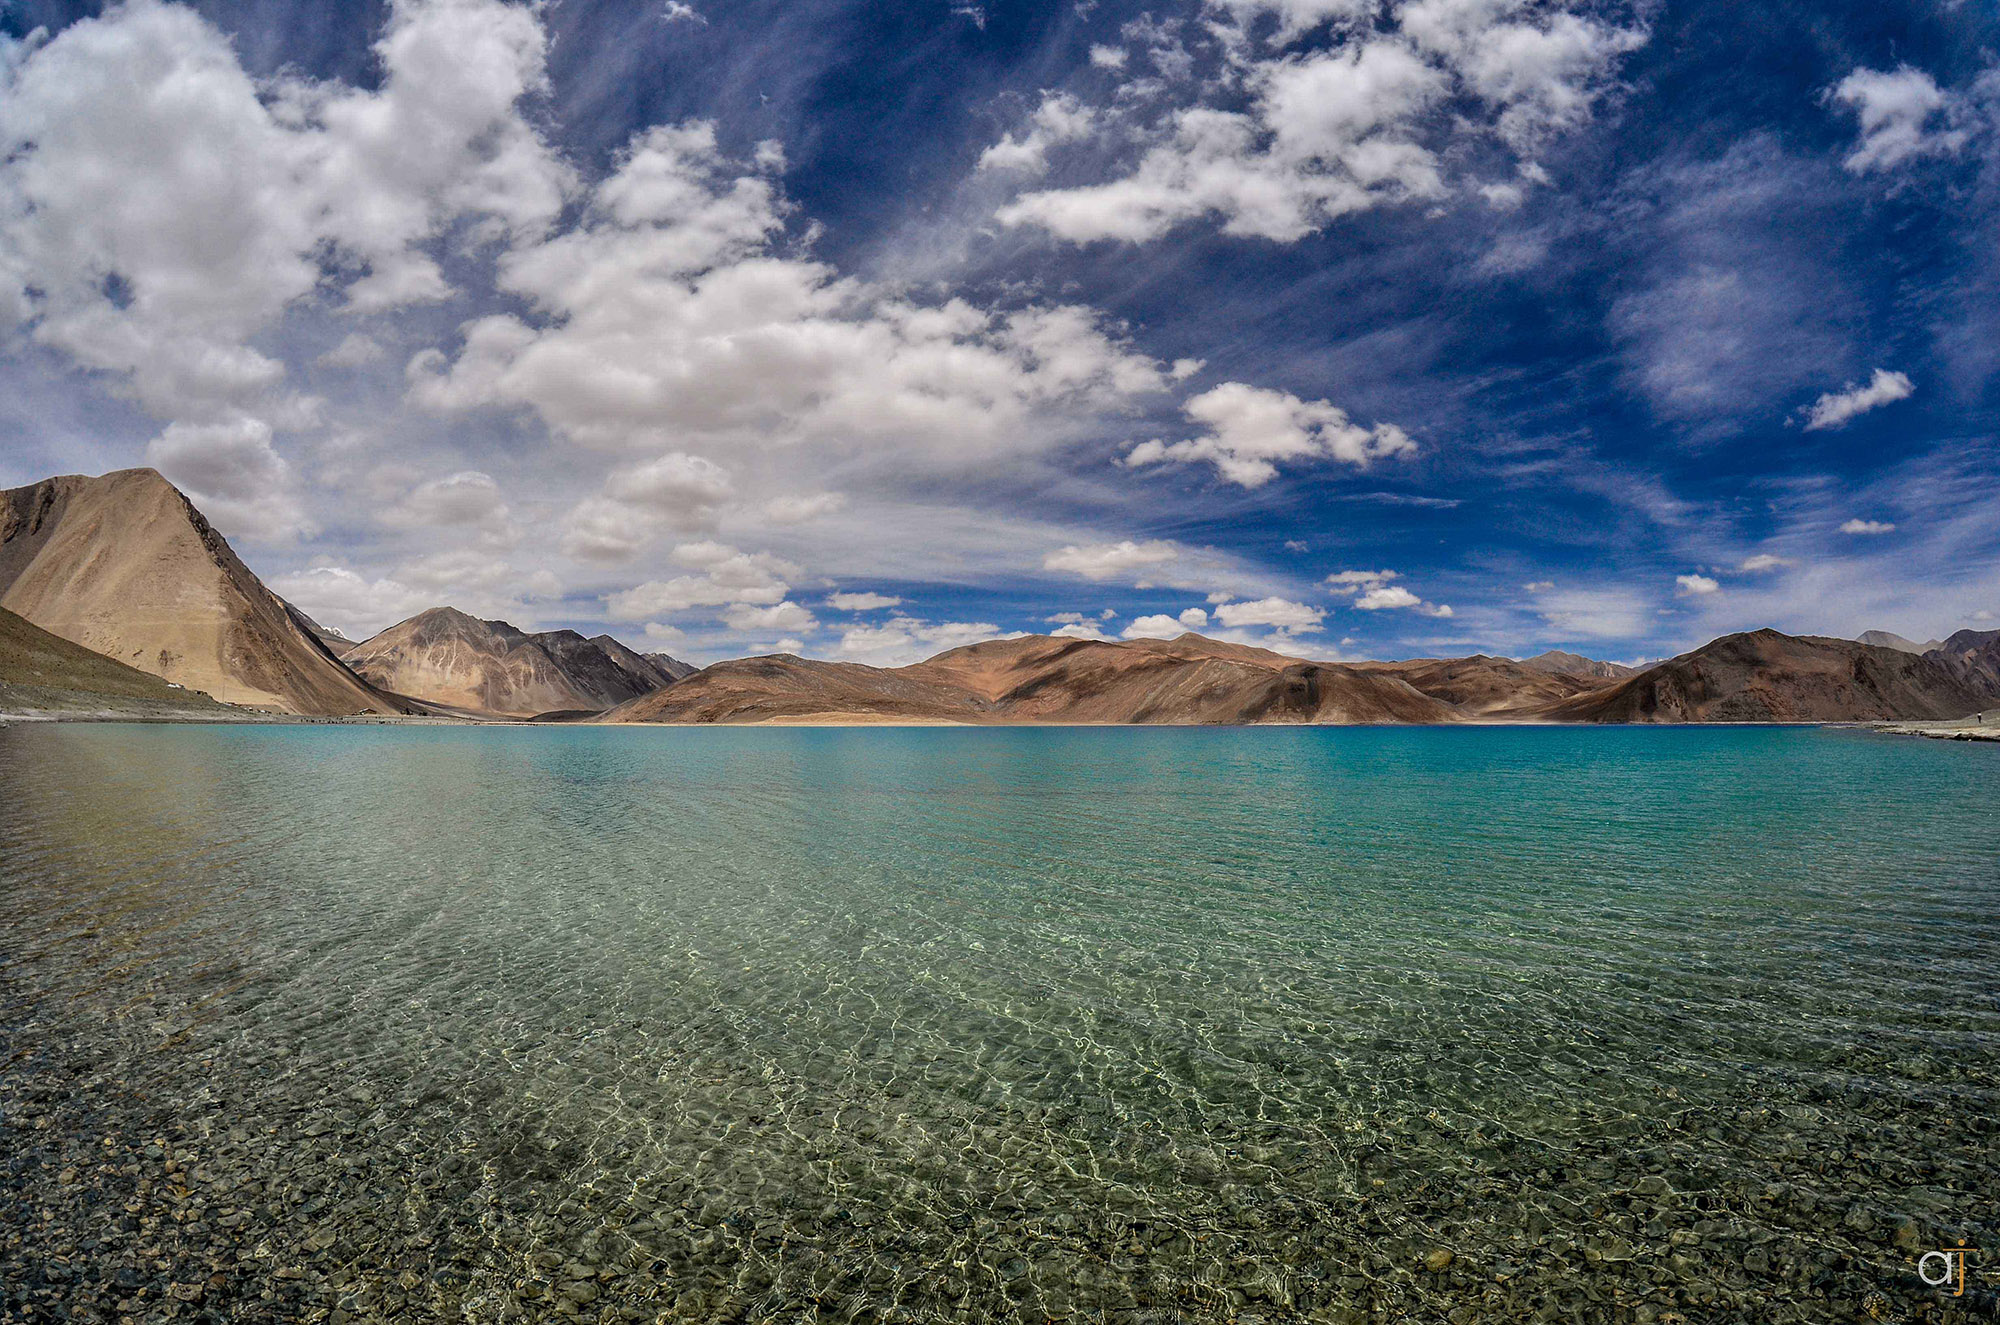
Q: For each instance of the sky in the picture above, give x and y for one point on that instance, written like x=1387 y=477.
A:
x=1351 y=328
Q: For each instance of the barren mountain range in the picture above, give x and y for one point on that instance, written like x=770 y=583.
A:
x=109 y=583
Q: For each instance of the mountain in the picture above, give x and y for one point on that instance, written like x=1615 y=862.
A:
x=1558 y=663
x=1886 y=639
x=491 y=668
x=125 y=566
x=672 y=666
x=1973 y=656
x=1041 y=678
x=1763 y=676
x=1484 y=687
x=42 y=673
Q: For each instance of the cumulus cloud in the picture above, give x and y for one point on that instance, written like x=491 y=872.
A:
x=1835 y=408
x=1387 y=596
x=1374 y=591
x=1696 y=586
x=800 y=509
x=1290 y=136
x=1251 y=429
x=1060 y=118
x=675 y=493
x=1278 y=613
x=160 y=208
x=1162 y=626
x=466 y=500
x=722 y=577
x=861 y=602
x=1110 y=561
x=903 y=640
x=1867 y=527
x=355 y=350
x=1902 y=114
x=234 y=475
x=338 y=597
x=1764 y=561
x=666 y=318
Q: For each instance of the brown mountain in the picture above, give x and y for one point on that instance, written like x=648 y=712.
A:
x=1973 y=656
x=1558 y=663
x=1763 y=676
x=448 y=657
x=1040 y=678
x=42 y=673
x=672 y=666
x=1483 y=687
x=125 y=566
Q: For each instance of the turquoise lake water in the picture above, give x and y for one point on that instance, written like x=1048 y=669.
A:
x=374 y=1023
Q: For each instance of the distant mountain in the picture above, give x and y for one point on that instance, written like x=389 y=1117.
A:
x=1040 y=678
x=1558 y=663
x=1485 y=687
x=42 y=673
x=326 y=635
x=448 y=657
x=1763 y=676
x=1973 y=656
x=671 y=665
x=125 y=566
x=1885 y=639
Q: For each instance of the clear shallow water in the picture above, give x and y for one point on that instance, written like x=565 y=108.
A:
x=359 y=1023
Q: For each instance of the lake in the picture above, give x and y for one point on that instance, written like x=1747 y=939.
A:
x=1120 y=1024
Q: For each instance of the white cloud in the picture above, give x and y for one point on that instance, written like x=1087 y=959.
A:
x=1080 y=630
x=1835 y=408
x=802 y=509
x=1253 y=428
x=903 y=640
x=1060 y=119
x=1384 y=597
x=1360 y=579
x=725 y=577
x=676 y=493
x=1279 y=613
x=785 y=616
x=467 y=499
x=1859 y=526
x=1896 y=109
x=861 y=602
x=1285 y=140
x=354 y=351
x=161 y=210
x=1539 y=586
x=1162 y=626
x=1696 y=585
x=1764 y=561
x=358 y=607
x=665 y=318
x=1596 y=614
x=679 y=11
x=234 y=475
x=1108 y=561
x=1108 y=57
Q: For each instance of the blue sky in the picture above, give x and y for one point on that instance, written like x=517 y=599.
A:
x=1356 y=329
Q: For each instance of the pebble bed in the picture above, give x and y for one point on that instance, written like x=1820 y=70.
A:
x=237 y=1085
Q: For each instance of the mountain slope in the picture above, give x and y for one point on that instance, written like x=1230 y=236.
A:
x=125 y=566
x=45 y=673
x=1763 y=676
x=1973 y=656
x=1039 y=678
x=1485 y=687
x=673 y=667
x=448 y=657
x=1558 y=663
